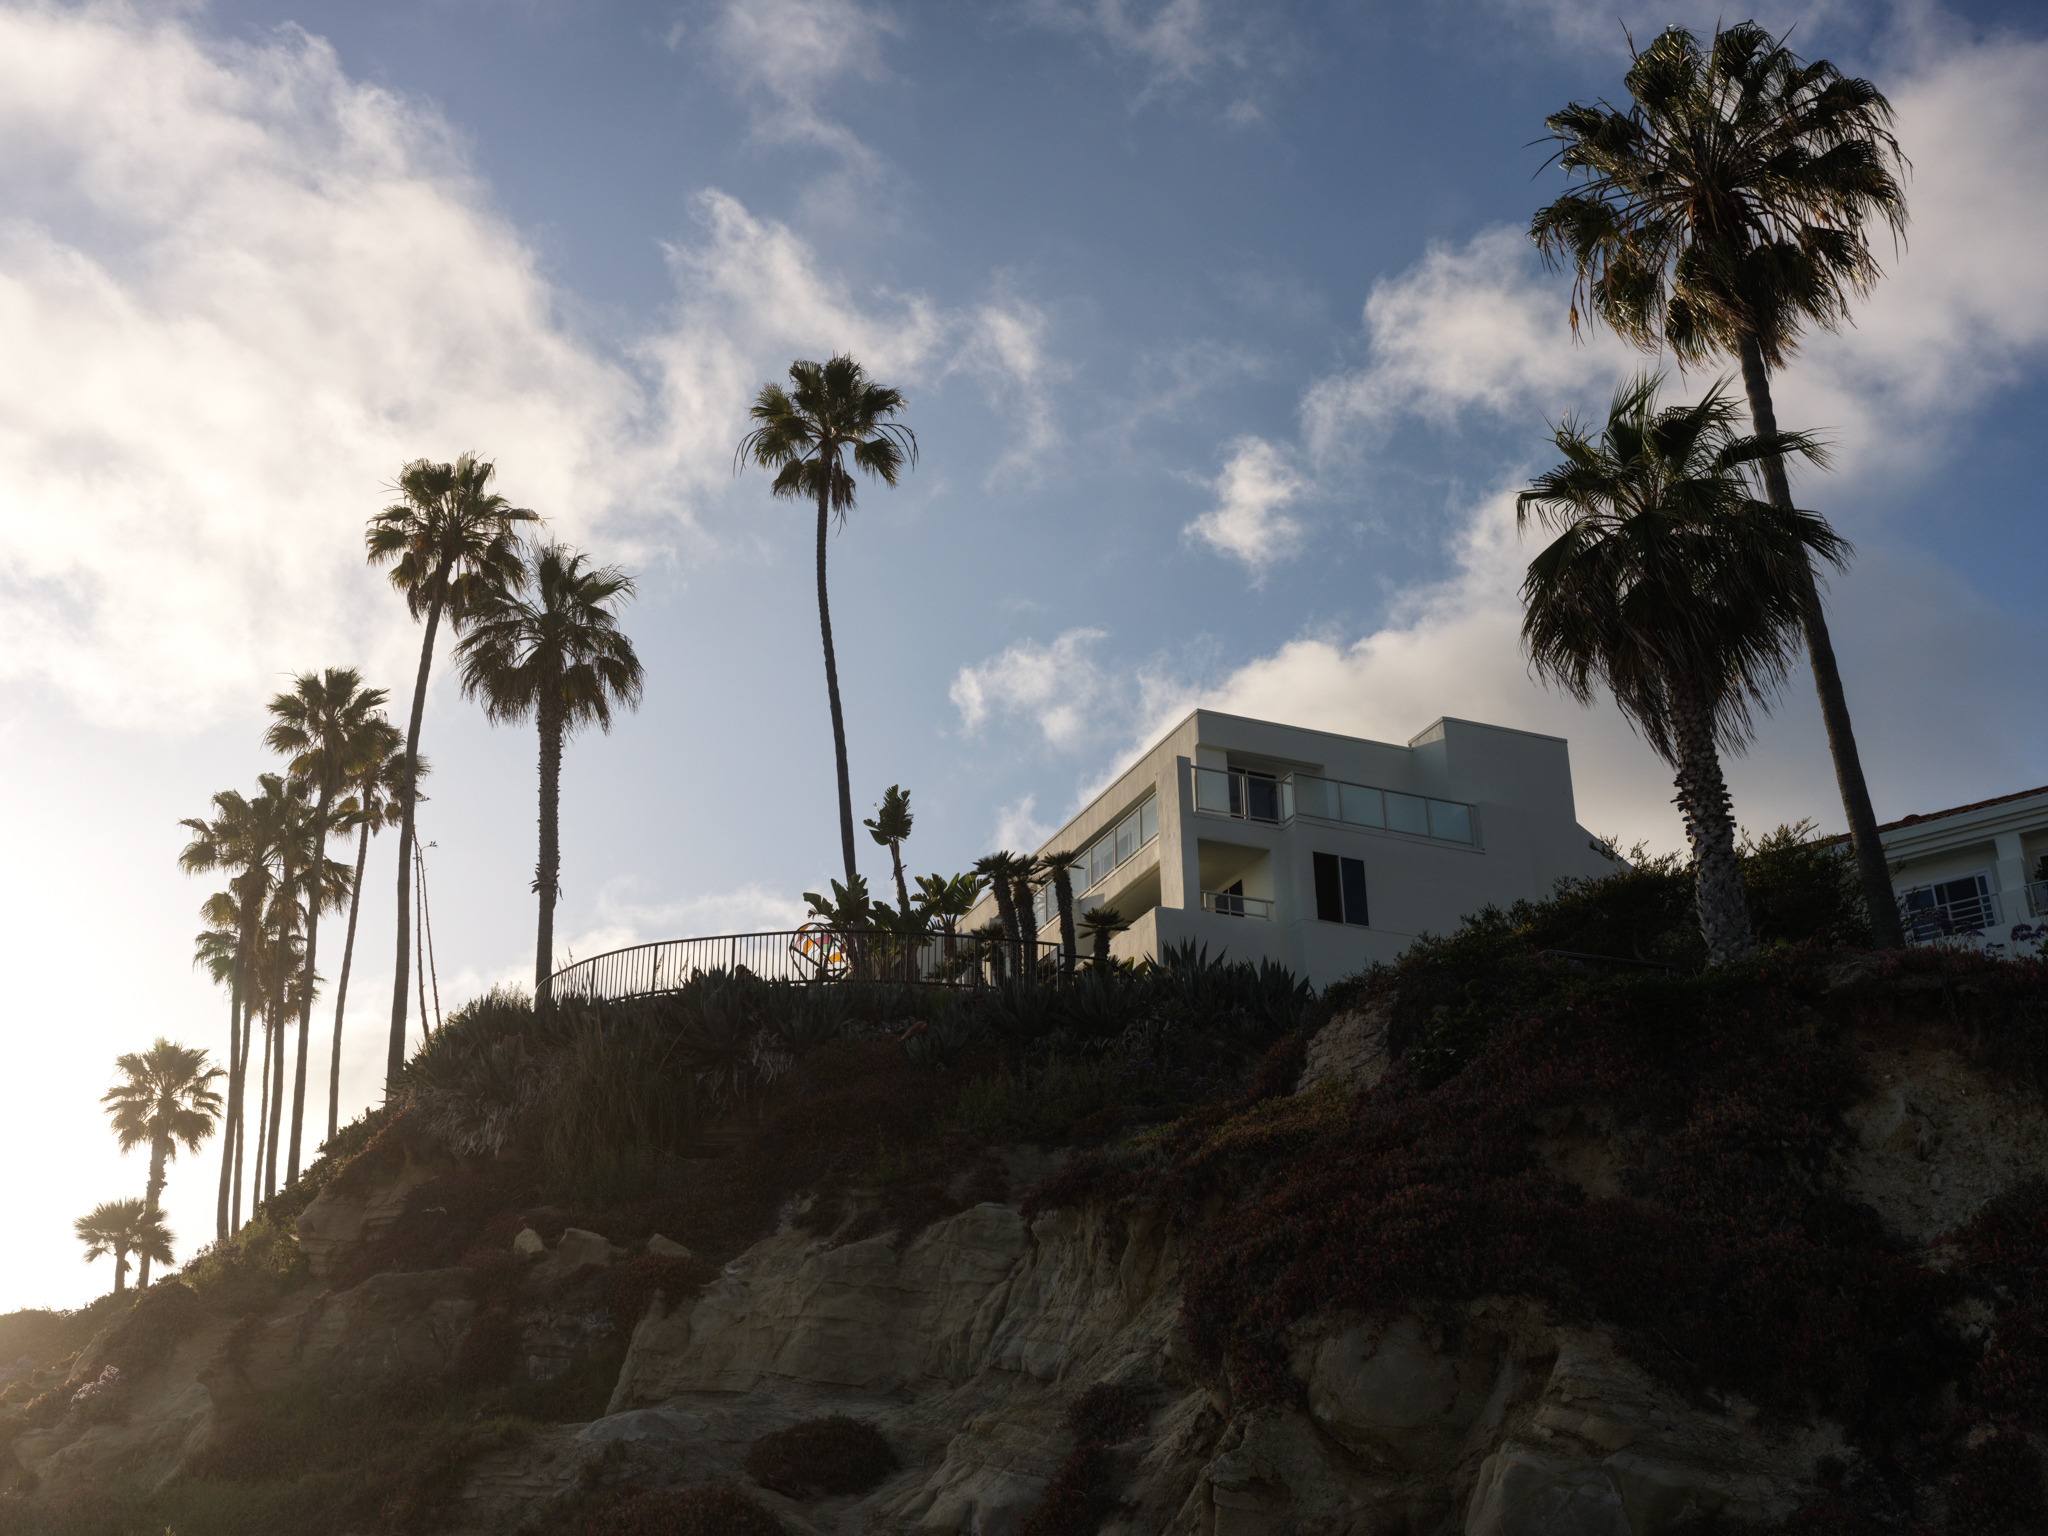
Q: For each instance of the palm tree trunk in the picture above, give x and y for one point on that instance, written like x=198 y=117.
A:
x=158 y=1146
x=1885 y=929
x=1027 y=929
x=291 y=1169
x=1702 y=800
x=832 y=678
x=221 y=1229
x=120 y=1270
x=394 y=1057
x=902 y=890
x=262 y=1126
x=1063 y=893
x=547 y=874
x=240 y=1090
x=277 y=1018
x=348 y=955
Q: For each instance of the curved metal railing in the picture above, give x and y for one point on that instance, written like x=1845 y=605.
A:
x=809 y=954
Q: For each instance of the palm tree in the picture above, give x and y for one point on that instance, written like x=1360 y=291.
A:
x=122 y=1227
x=947 y=898
x=1000 y=870
x=1720 y=215
x=332 y=729
x=1101 y=925
x=372 y=806
x=448 y=538
x=831 y=413
x=561 y=659
x=890 y=826
x=1059 y=868
x=165 y=1096
x=1673 y=585
x=241 y=838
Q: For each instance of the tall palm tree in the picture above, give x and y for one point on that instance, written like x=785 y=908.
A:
x=165 y=1096
x=122 y=1227
x=560 y=658
x=372 y=805
x=1719 y=215
x=830 y=414
x=1059 y=869
x=447 y=538
x=1671 y=583
x=332 y=729
x=890 y=826
x=1101 y=924
x=241 y=839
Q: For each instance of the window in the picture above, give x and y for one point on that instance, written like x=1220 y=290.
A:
x=1340 y=889
x=1950 y=907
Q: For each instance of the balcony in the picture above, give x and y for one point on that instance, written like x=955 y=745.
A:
x=1944 y=912
x=1251 y=796
x=1230 y=904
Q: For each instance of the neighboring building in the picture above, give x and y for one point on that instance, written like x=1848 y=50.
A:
x=1973 y=870
x=1320 y=851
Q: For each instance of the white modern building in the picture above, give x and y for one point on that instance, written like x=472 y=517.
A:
x=1320 y=851
x=1974 y=871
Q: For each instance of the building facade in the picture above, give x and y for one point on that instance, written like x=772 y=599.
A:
x=1973 y=873
x=1320 y=851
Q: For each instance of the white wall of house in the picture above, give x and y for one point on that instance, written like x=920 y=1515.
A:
x=1509 y=791
x=1993 y=847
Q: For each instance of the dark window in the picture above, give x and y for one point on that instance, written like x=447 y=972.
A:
x=1354 y=891
x=1329 y=889
x=1340 y=890
x=1231 y=902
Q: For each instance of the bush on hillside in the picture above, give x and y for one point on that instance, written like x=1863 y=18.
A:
x=825 y=1456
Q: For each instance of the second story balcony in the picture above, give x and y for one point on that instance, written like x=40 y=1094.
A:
x=1252 y=796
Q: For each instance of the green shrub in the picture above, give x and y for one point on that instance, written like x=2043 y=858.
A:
x=711 y=1510
x=1079 y=1498
x=826 y=1456
x=490 y=1351
x=162 y=1317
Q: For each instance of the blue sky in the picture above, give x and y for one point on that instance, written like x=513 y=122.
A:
x=1221 y=339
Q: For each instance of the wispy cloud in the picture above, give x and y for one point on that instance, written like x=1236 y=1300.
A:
x=1055 y=686
x=789 y=53
x=1249 y=521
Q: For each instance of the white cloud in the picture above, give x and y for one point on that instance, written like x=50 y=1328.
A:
x=1005 y=346
x=791 y=52
x=1055 y=686
x=1018 y=829
x=1248 y=521
x=622 y=920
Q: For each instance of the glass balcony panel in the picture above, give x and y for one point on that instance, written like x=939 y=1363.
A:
x=1102 y=857
x=1407 y=813
x=1126 y=837
x=1148 y=821
x=1212 y=790
x=1361 y=805
x=1450 y=821
x=1262 y=798
x=1287 y=798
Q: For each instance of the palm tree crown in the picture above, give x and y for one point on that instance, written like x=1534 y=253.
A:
x=832 y=413
x=122 y=1227
x=165 y=1096
x=448 y=540
x=1670 y=583
x=1722 y=213
x=560 y=658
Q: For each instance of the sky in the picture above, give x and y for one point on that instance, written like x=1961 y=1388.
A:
x=1222 y=339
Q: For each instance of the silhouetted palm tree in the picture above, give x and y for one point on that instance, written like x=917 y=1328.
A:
x=1059 y=868
x=447 y=539
x=1721 y=214
x=1681 y=592
x=332 y=729
x=122 y=1227
x=560 y=658
x=372 y=805
x=890 y=826
x=1101 y=924
x=165 y=1096
x=830 y=413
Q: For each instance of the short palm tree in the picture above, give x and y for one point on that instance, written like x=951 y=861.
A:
x=560 y=658
x=122 y=1227
x=1719 y=215
x=372 y=805
x=947 y=898
x=241 y=840
x=165 y=1096
x=447 y=538
x=1059 y=869
x=1000 y=870
x=333 y=730
x=830 y=414
x=1673 y=585
x=1101 y=924
x=890 y=826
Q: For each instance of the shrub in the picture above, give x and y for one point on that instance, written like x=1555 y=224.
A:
x=711 y=1510
x=163 y=1315
x=1079 y=1497
x=490 y=1351
x=822 y=1456
x=1996 y=1489
x=634 y=1286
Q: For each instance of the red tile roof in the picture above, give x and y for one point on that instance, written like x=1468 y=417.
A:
x=1957 y=810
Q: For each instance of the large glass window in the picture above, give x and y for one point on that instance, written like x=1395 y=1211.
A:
x=1340 y=890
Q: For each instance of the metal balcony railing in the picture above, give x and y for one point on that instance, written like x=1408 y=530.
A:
x=811 y=954
x=1226 y=904
x=1261 y=797
x=1927 y=919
